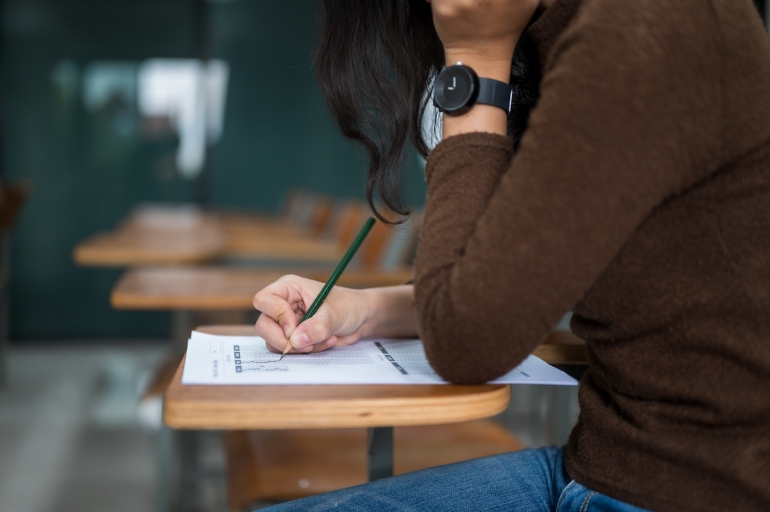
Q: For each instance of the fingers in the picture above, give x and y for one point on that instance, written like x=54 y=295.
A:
x=271 y=332
x=320 y=347
x=281 y=301
x=283 y=305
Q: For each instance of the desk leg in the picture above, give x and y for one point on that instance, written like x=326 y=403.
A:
x=167 y=481
x=380 y=455
x=181 y=325
x=560 y=421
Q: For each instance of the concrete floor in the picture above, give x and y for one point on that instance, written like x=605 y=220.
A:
x=70 y=439
x=73 y=439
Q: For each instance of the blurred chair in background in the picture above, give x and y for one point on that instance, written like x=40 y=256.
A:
x=11 y=200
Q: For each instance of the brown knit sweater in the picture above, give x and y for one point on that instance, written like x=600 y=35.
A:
x=639 y=199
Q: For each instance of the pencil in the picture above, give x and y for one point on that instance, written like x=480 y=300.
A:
x=335 y=276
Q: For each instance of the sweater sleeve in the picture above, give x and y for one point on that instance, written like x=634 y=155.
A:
x=628 y=117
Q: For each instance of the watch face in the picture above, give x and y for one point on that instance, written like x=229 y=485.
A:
x=456 y=88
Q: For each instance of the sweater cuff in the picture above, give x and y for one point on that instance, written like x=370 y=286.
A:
x=488 y=151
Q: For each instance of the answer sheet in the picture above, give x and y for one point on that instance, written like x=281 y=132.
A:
x=231 y=360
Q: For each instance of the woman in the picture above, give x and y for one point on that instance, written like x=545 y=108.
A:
x=638 y=197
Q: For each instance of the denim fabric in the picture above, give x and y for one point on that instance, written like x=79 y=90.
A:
x=579 y=498
x=522 y=481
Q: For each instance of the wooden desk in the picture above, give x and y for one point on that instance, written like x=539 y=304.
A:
x=268 y=427
x=380 y=408
x=184 y=235
x=249 y=236
x=154 y=235
x=217 y=288
x=274 y=248
x=304 y=407
x=126 y=249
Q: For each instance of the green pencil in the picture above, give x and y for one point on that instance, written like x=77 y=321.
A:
x=335 y=276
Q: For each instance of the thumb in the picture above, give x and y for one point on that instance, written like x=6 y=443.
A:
x=310 y=332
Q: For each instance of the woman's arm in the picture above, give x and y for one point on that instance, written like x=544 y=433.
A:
x=482 y=35
x=391 y=312
x=627 y=117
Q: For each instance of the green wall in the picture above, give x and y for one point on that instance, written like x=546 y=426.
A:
x=87 y=167
x=278 y=134
x=278 y=131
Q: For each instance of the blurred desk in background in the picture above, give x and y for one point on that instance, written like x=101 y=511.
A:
x=157 y=235
x=177 y=242
x=219 y=288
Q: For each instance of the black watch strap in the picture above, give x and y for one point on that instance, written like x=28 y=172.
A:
x=495 y=92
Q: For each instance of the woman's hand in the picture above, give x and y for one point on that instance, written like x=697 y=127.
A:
x=341 y=320
x=482 y=32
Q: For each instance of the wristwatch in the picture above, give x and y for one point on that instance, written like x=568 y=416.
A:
x=458 y=88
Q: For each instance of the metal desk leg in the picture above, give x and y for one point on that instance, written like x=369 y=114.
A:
x=380 y=455
x=167 y=477
x=181 y=325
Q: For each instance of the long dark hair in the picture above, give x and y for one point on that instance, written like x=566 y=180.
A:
x=376 y=60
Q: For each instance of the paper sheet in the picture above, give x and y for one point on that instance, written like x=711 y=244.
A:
x=245 y=360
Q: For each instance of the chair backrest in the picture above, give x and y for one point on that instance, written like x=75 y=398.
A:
x=389 y=247
x=402 y=244
x=304 y=211
x=12 y=197
x=293 y=205
x=320 y=216
x=308 y=211
x=346 y=219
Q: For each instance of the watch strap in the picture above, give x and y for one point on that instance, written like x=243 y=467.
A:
x=495 y=92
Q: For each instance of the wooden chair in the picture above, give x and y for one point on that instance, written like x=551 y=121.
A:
x=277 y=465
x=12 y=197
x=390 y=247
x=280 y=465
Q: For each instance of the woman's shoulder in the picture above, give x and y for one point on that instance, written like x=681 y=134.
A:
x=649 y=19
x=689 y=44
x=657 y=19
x=707 y=60
x=655 y=36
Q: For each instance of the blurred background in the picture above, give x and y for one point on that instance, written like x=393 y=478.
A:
x=111 y=104
x=189 y=105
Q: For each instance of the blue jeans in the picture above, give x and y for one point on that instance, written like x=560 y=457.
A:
x=522 y=481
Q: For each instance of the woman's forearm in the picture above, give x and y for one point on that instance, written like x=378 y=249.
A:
x=392 y=313
x=481 y=35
